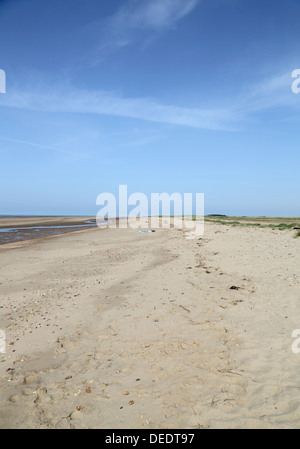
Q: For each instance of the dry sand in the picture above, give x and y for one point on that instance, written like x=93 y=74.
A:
x=111 y=328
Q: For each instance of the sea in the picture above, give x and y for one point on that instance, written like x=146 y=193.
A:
x=26 y=232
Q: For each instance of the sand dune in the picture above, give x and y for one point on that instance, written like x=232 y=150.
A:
x=111 y=328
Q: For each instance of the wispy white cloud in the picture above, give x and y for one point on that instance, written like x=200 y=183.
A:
x=41 y=146
x=271 y=92
x=111 y=104
x=34 y=144
x=137 y=20
x=274 y=92
x=154 y=14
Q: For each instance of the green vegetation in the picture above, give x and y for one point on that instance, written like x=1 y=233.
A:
x=280 y=223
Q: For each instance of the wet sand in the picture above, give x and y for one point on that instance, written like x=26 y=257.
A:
x=13 y=229
x=111 y=328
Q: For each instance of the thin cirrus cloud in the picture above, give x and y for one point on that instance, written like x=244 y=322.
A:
x=39 y=146
x=154 y=14
x=274 y=92
x=70 y=100
x=147 y=18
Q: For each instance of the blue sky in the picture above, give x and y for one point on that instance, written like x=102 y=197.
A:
x=161 y=95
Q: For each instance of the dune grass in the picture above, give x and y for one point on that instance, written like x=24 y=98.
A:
x=280 y=223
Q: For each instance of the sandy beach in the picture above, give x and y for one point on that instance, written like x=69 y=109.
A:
x=116 y=329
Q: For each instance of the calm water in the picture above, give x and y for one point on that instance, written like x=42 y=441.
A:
x=16 y=234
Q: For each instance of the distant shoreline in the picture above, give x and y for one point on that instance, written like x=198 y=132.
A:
x=16 y=229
